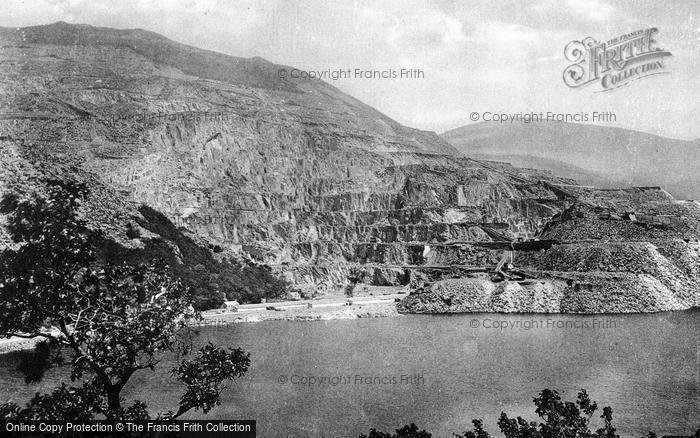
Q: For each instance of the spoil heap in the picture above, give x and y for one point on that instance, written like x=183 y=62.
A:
x=628 y=250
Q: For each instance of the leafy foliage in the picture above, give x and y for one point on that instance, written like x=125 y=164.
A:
x=62 y=404
x=560 y=420
x=112 y=319
x=204 y=375
x=354 y=276
x=211 y=280
x=408 y=431
x=478 y=431
x=34 y=363
x=252 y=283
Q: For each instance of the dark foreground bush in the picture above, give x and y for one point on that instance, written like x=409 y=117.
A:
x=558 y=419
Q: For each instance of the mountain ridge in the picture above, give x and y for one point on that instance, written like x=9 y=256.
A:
x=625 y=157
x=255 y=72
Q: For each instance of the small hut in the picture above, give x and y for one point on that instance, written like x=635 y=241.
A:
x=230 y=306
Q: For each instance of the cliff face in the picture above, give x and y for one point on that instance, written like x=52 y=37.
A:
x=294 y=174
x=290 y=174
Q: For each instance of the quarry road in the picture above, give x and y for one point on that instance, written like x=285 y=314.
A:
x=337 y=307
x=314 y=303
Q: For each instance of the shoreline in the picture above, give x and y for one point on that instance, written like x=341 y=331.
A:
x=325 y=310
x=309 y=310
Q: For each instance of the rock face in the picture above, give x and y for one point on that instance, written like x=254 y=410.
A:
x=612 y=251
x=290 y=174
x=295 y=174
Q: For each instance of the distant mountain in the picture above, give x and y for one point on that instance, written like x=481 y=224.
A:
x=595 y=155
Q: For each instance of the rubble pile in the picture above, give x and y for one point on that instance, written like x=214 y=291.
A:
x=593 y=292
x=641 y=254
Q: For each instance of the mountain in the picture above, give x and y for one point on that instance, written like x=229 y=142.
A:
x=258 y=186
x=595 y=155
x=150 y=54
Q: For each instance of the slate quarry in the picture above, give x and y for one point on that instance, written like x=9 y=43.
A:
x=300 y=177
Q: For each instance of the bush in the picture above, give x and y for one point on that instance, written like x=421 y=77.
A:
x=561 y=420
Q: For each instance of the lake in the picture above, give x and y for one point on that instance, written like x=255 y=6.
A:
x=338 y=378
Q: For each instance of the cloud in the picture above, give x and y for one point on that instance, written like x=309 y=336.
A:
x=595 y=10
x=495 y=32
x=573 y=13
x=426 y=31
x=548 y=59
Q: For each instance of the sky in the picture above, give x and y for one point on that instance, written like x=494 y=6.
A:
x=475 y=56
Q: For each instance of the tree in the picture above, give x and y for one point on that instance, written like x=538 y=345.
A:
x=561 y=419
x=111 y=319
x=354 y=276
x=478 y=431
x=408 y=431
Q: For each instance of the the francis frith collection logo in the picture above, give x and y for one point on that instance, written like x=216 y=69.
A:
x=616 y=62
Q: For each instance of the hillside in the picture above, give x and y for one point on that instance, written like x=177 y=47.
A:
x=597 y=155
x=214 y=158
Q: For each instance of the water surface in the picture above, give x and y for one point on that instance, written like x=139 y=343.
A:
x=442 y=371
